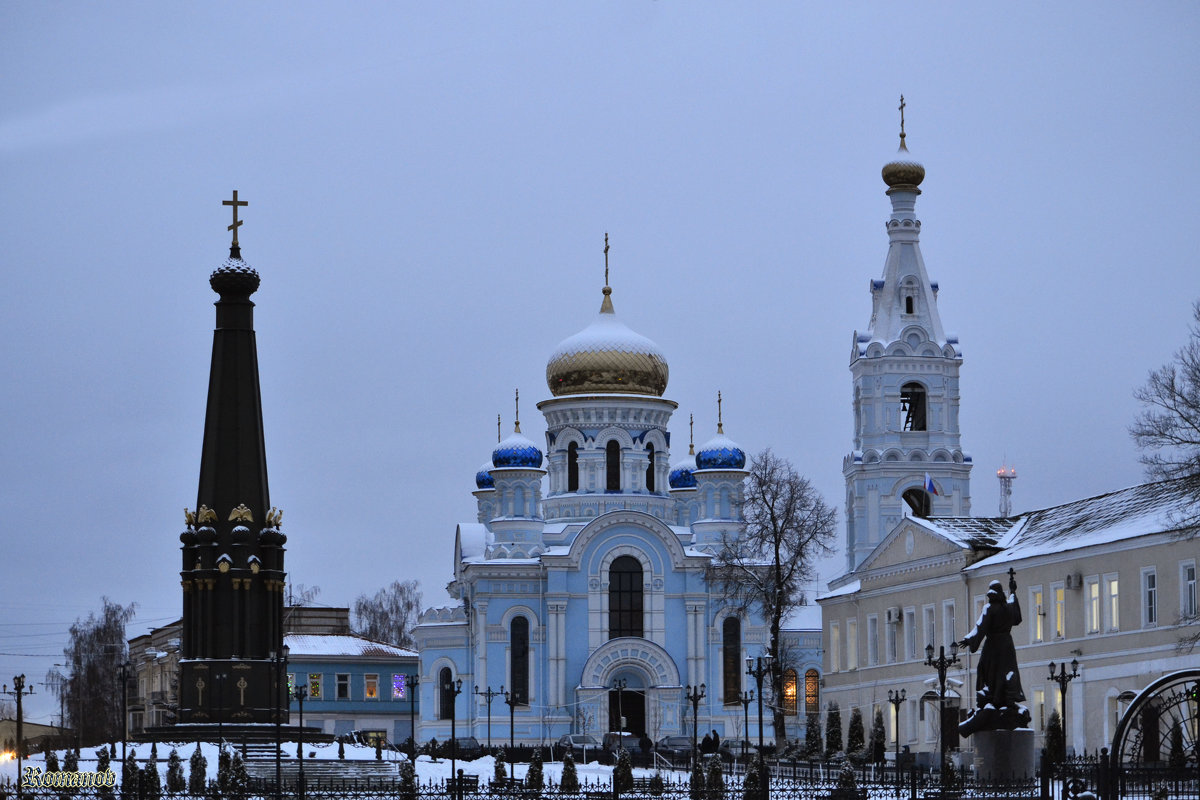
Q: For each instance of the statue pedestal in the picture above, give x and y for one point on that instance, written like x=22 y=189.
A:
x=1004 y=754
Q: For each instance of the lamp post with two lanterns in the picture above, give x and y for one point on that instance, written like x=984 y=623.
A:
x=942 y=664
x=896 y=699
x=694 y=696
x=1062 y=679
x=758 y=667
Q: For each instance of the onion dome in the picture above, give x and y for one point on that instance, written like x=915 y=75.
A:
x=188 y=537
x=903 y=172
x=720 y=452
x=681 y=476
x=483 y=478
x=270 y=536
x=516 y=451
x=241 y=535
x=607 y=357
x=234 y=278
x=206 y=535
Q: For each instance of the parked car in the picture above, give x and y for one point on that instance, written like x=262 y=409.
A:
x=731 y=750
x=466 y=748
x=615 y=740
x=676 y=749
x=583 y=747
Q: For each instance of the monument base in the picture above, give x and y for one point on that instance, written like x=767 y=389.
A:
x=1000 y=755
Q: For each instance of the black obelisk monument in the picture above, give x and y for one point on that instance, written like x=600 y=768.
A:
x=232 y=574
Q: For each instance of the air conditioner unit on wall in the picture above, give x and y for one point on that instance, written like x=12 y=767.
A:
x=1074 y=580
x=893 y=616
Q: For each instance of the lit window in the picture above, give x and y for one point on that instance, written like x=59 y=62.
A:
x=1060 y=612
x=1038 y=629
x=399 y=686
x=343 y=686
x=372 y=687
x=314 y=685
x=291 y=684
x=789 y=692
x=948 y=624
x=1092 y=605
x=1112 y=601
x=812 y=692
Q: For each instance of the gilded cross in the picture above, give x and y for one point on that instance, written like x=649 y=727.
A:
x=517 y=401
x=200 y=684
x=497 y=429
x=236 y=222
x=241 y=685
x=606 y=258
x=720 y=425
x=902 y=119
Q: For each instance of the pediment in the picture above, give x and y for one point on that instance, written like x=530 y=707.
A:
x=910 y=542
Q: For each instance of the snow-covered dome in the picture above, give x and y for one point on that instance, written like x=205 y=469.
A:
x=720 y=452
x=607 y=357
x=516 y=451
x=903 y=171
x=483 y=478
x=234 y=278
x=681 y=476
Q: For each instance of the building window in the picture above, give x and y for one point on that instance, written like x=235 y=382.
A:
x=908 y=304
x=1037 y=631
x=872 y=640
x=399 y=686
x=1149 y=597
x=1187 y=590
x=930 y=627
x=789 y=692
x=445 y=694
x=650 y=468
x=314 y=686
x=851 y=644
x=1039 y=708
x=919 y=502
x=731 y=659
x=343 y=686
x=612 y=466
x=1112 y=602
x=291 y=684
x=949 y=630
x=891 y=641
x=835 y=647
x=519 y=637
x=1091 y=604
x=912 y=407
x=812 y=692
x=572 y=467
x=1060 y=611
x=371 y=687
x=625 y=597
x=910 y=633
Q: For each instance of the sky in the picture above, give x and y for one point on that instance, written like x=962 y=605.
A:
x=429 y=186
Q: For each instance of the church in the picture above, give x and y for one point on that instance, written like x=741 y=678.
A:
x=590 y=606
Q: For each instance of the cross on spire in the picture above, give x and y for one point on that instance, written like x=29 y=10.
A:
x=517 y=399
x=234 y=249
x=691 y=434
x=497 y=429
x=606 y=258
x=902 y=120
x=720 y=425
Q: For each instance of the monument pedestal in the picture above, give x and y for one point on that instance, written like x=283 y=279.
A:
x=1004 y=754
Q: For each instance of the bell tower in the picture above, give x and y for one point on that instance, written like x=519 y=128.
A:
x=907 y=458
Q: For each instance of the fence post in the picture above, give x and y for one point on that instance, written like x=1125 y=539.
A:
x=1044 y=773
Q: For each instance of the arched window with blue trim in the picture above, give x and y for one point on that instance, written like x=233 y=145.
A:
x=519 y=641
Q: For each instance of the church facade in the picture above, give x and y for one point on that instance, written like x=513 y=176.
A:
x=590 y=607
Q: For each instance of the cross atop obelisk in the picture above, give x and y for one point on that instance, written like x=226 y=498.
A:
x=235 y=251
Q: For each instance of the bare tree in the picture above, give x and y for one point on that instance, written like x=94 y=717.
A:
x=95 y=651
x=788 y=527
x=390 y=615
x=1168 y=432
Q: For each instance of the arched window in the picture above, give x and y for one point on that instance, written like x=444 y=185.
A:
x=912 y=407
x=572 y=467
x=731 y=659
x=908 y=304
x=625 y=597
x=445 y=694
x=789 y=692
x=519 y=639
x=518 y=502
x=612 y=463
x=812 y=692
x=919 y=501
x=650 y=468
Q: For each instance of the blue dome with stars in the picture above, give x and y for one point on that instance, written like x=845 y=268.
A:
x=720 y=452
x=517 y=451
x=483 y=478
x=681 y=476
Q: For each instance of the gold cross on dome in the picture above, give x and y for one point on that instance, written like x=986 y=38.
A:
x=236 y=222
x=901 y=119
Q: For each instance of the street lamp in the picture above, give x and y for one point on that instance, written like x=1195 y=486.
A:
x=1062 y=679
x=896 y=699
x=510 y=700
x=220 y=678
x=694 y=696
x=942 y=664
x=489 y=695
x=125 y=667
x=745 y=698
x=19 y=691
x=414 y=683
x=620 y=685
x=757 y=667
x=300 y=693
x=455 y=688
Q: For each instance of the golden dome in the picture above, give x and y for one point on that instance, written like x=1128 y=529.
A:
x=904 y=171
x=607 y=357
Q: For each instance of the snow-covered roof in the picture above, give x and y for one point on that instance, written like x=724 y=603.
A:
x=341 y=644
x=472 y=538
x=1116 y=516
x=850 y=588
x=973 y=532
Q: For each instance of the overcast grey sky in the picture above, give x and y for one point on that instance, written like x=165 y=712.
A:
x=429 y=188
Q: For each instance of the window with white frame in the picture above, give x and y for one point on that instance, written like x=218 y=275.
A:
x=1112 y=602
x=1091 y=603
x=835 y=647
x=371 y=686
x=1039 y=708
x=910 y=633
x=872 y=640
x=1149 y=597
x=1060 y=610
x=949 y=629
x=852 y=644
x=1187 y=589
x=1037 y=630
x=891 y=641
x=913 y=712
x=930 y=626
x=343 y=686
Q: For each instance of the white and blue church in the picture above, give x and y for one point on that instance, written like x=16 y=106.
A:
x=591 y=603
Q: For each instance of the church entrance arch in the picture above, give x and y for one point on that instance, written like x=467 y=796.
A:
x=627 y=704
x=634 y=678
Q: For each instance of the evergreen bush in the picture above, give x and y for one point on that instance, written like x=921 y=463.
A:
x=1054 y=738
x=103 y=765
x=535 y=779
x=833 y=731
x=500 y=772
x=197 y=772
x=714 y=778
x=341 y=749
x=1177 y=759
x=878 y=738
x=814 y=748
x=570 y=778
x=623 y=771
x=176 y=783
x=408 y=780
x=224 y=771
x=151 y=780
x=696 y=781
x=856 y=745
x=656 y=785
x=130 y=775
x=239 y=779
x=51 y=761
